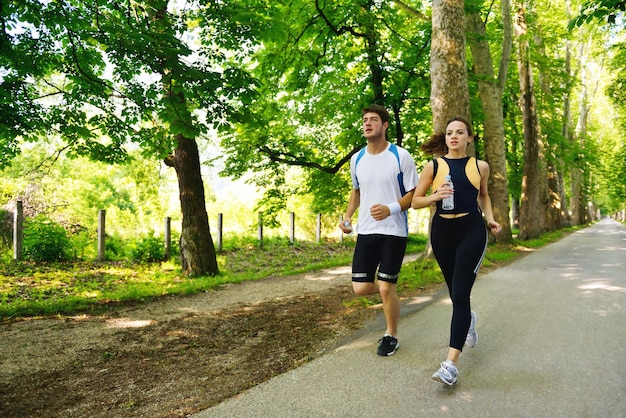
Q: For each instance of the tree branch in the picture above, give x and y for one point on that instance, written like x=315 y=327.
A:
x=414 y=12
x=338 y=30
x=293 y=160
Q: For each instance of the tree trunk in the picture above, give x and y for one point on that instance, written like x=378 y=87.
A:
x=577 y=177
x=197 y=251
x=449 y=95
x=557 y=216
x=534 y=184
x=556 y=209
x=398 y=123
x=515 y=210
x=373 y=62
x=582 y=210
x=566 y=126
x=490 y=91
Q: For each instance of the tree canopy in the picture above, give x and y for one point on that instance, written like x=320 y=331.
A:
x=599 y=10
x=283 y=84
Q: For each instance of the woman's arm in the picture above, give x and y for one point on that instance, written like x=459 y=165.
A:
x=484 y=201
x=420 y=200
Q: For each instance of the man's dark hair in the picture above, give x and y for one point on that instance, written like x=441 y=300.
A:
x=379 y=110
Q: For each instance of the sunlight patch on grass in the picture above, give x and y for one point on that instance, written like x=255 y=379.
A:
x=43 y=289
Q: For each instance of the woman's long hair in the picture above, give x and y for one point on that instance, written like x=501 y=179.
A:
x=436 y=144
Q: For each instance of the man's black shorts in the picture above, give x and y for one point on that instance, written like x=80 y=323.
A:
x=384 y=252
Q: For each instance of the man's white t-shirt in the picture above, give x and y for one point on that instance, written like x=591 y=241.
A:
x=376 y=177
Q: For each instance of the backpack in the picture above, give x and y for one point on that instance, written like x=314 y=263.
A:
x=393 y=149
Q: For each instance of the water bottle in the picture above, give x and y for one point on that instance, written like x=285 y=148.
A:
x=448 y=202
x=347 y=225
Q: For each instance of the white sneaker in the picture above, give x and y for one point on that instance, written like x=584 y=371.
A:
x=447 y=373
x=472 y=335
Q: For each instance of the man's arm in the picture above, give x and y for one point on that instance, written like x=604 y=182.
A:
x=353 y=204
x=380 y=211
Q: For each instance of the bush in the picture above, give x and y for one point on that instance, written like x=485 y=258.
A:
x=147 y=249
x=84 y=245
x=45 y=240
x=6 y=227
x=114 y=248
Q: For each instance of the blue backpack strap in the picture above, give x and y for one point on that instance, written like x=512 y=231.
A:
x=358 y=157
x=394 y=149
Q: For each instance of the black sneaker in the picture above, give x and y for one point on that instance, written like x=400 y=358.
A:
x=388 y=345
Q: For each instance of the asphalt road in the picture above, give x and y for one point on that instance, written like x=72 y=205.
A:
x=552 y=336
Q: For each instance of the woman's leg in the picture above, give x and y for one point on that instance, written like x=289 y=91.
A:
x=470 y=253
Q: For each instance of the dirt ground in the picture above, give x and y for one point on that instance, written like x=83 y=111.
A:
x=173 y=357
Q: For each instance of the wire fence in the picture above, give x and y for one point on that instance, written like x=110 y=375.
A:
x=417 y=222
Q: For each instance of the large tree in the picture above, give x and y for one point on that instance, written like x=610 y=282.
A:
x=491 y=89
x=534 y=182
x=110 y=76
x=449 y=94
x=335 y=58
x=551 y=81
x=600 y=16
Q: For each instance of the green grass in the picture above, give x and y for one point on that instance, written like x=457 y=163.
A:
x=43 y=289
x=419 y=275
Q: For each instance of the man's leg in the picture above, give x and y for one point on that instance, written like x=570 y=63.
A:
x=364 y=264
x=364 y=288
x=391 y=262
x=391 y=306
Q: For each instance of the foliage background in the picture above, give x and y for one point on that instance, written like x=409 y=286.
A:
x=285 y=120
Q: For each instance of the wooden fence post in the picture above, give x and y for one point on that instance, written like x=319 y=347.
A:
x=260 y=229
x=220 y=220
x=292 y=227
x=318 y=228
x=101 y=235
x=18 y=231
x=340 y=231
x=168 y=238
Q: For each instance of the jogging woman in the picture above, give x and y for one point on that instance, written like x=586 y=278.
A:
x=458 y=235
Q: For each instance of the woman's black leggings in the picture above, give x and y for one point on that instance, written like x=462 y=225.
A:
x=459 y=246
